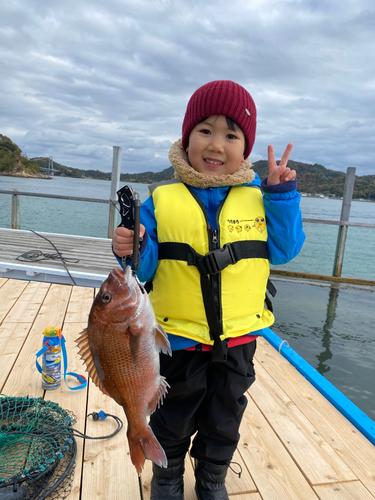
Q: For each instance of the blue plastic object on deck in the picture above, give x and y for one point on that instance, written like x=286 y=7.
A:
x=356 y=416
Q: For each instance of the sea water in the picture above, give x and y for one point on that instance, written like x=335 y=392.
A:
x=329 y=326
x=318 y=253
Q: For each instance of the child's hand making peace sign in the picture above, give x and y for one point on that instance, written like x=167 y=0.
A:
x=279 y=173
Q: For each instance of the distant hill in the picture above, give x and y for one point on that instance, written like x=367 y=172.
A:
x=72 y=172
x=315 y=179
x=13 y=162
x=144 y=178
x=312 y=179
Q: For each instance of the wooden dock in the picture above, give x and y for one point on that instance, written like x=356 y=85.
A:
x=294 y=444
x=89 y=260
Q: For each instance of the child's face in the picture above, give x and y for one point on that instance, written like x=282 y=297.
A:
x=215 y=149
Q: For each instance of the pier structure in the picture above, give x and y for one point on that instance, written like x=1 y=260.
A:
x=295 y=444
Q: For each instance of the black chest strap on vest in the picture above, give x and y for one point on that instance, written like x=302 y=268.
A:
x=216 y=260
x=212 y=263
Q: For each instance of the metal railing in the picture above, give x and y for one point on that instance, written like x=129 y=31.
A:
x=343 y=223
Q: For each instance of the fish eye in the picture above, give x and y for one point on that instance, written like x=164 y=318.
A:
x=106 y=297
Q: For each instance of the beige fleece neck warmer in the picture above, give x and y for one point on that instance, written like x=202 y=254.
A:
x=184 y=172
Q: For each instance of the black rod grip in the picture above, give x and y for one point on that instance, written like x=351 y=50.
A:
x=137 y=221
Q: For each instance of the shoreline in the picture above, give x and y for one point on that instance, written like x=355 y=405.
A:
x=303 y=194
x=336 y=198
x=23 y=176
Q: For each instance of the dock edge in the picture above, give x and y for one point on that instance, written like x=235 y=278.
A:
x=356 y=416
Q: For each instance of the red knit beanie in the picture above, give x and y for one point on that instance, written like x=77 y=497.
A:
x=221 y=97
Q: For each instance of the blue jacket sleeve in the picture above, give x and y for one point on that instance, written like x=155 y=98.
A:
x=149 y=254
x=284 y=221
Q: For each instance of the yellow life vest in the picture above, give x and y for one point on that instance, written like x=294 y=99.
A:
x=238 y=289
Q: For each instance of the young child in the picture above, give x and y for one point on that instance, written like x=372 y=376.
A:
x=208 y=238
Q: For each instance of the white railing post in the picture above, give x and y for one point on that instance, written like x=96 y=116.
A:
x=345 y=212
x=115 y=180
x=16 y=217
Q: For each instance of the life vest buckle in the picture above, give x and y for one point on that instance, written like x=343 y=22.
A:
x=217 y=260
x=220 y=351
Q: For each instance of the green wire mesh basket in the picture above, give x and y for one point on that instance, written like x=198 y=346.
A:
x=37 y=449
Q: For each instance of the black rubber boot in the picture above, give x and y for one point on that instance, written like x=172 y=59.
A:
x=168 y=484
x=210 y=481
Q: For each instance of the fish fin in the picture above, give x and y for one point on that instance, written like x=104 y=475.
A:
x=145 y=445
x=161 y=339
x=85 y=353
x=159 y=395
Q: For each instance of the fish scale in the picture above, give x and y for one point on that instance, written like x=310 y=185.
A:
x=120 y=348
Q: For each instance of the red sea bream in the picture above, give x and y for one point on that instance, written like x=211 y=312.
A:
x=120 y=348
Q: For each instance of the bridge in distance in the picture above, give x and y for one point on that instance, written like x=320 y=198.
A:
x=50 y=170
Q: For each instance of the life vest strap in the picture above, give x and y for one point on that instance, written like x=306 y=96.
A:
x=212 y=263
x=216 y=260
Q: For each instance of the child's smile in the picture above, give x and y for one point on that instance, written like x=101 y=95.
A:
x=215 y=149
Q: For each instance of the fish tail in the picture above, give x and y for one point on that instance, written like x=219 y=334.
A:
x=144 y=445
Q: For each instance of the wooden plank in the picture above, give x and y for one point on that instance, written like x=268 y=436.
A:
x=94 y=254
x=108 y=473
x=247 y=496
x=12 y=337
x=74 y=401
x=314 y=455
x=333 y=395
x=343 y=491
x=3 y=281
x=9 y=294
x=79 y=305
x=275 y=474
x=244 y=484
x=24 y=378
x=70 y=249
x=357 y=451
x=274 y=470
x=29 y=303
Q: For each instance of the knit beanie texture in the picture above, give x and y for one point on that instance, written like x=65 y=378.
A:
x=221 y=97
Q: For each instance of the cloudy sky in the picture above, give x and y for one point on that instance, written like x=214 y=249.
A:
x=78 y=77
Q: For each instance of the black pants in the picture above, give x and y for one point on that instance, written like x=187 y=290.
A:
x=204 y=397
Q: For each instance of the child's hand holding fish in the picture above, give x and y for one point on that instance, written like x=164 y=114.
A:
x=123 y=240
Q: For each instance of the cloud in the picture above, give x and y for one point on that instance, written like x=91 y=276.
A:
x=84 y=76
